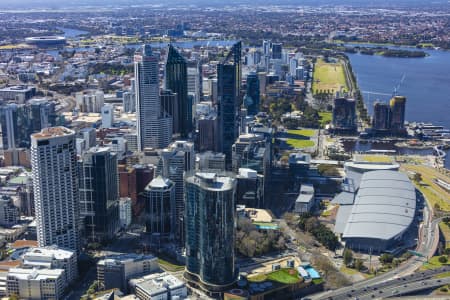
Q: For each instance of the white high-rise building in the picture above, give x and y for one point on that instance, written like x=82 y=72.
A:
x=293 y=64
x=107 y=116
x=153 y=125
x=90 y=102
x=55 y=185
x=193 y=82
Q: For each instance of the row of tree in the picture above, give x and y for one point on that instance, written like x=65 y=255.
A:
x=252 y=242
x=322 y=233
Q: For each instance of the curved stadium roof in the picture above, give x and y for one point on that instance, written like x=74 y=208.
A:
x=384 y=206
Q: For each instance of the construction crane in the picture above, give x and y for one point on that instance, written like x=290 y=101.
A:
x=399 y=85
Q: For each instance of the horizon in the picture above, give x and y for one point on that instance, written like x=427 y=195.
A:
x=55 y=4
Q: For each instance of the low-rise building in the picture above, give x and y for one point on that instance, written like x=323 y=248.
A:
x=305 y=200
x=53 y=257
x=159 y=286
x=36 y=284
x=115 y=271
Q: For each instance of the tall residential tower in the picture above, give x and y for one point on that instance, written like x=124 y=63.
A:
x=210 y=224
x=54 y=169
x=154 y=126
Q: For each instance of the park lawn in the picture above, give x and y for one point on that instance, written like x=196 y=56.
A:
x=442 y=275
x=433 y=263
x=432 y=192
x=168 y=266
x=445 y=229
x=300 y=143
x=304 y=132
x=348 y=271
x=286 y=276
x=376 y=158
x=328 y=77
x=325 y=118
x=257 y=278
x=14 y=46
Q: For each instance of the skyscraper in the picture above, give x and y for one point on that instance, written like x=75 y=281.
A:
x=251 y=100
x=381 y=116
x=398 y=105
x=160 y=207
x=177 y=159
x=54 y=172
x=277 y=49
x=210 y=218
x=99 y=193
x=266 y=48
x=177 y=82
x=154 y=126
x=228 y=89
x=169 y=103
x=344 y=115
x=15 y=125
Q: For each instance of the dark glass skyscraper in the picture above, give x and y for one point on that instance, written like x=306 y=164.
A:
x=398 y=105
x=176 y=81
x=381 y=117
x=210 y=218
x=251 y=100
x=228 y=89
x=19 y=121
x=99 y=193
x=344 y=114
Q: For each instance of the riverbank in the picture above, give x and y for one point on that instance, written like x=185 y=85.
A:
x=382 y=51
x=429 y=46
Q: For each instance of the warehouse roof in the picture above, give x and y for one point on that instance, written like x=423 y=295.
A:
x=384 y=206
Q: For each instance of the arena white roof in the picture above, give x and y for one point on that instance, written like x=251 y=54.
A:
x=384 y=206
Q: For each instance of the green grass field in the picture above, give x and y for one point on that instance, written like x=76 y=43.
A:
x=325 y=118
x=304 y=132
x=442 y=275
x=328 y=77
x=286 y=276
x=376 y=158
x=300 y=143
x=445 y=229
x=433 y=263
x=303 y=138
x=168 y=266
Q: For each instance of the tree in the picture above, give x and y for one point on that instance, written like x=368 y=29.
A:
x=443 y=259
x=348 y=256
x=417 y=177
x=359 y=264
x=386 y=258
x=447 y=251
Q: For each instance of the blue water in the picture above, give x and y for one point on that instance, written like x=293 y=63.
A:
x=71 y=33
x=426 y=83
x=312 y=273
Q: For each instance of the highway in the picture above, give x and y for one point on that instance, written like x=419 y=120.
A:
x=406 y=288
x=428 y=242
x=387 y=287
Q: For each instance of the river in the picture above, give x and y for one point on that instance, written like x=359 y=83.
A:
x=426 y=83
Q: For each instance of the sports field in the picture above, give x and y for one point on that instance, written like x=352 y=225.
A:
x=328 y=77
